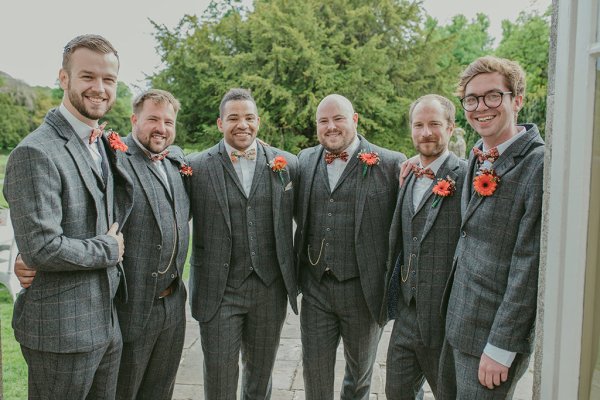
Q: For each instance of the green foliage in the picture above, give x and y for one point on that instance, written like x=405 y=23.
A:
x=527 y=42
x=15 y=121
x=119 y=116
x=14 y=368
x=291 y=54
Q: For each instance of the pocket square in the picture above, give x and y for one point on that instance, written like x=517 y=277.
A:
x=288 y=186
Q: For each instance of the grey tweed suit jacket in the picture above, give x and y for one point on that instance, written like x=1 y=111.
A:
x=212 y=225
x=56 y=208
x=376 y=195
x=143 y=237
x=435 y=253
x=494 y=294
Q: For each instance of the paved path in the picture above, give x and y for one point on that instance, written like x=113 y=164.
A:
x=287 y=375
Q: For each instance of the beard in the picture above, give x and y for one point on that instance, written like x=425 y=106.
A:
x=430 y=149
x=77 y=102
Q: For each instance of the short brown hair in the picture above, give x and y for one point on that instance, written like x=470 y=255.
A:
x=94 y=43
x=513 y=74
x=236 y=94
x=447 y=105
x=158 y=96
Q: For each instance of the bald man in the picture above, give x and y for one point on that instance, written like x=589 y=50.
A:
x=346 y=199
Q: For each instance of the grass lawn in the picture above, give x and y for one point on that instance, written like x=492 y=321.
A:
x=14 y=369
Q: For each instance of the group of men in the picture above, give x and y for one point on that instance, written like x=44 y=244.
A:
x=102 y=227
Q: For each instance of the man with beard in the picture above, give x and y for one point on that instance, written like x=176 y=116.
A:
x=152 y=310
x=242 y=266
x=423 y=237
x=493 y=300
x=346 y=200
x=68 y=194
x=151 y=307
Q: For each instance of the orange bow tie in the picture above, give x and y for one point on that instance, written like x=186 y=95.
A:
x=329 y=157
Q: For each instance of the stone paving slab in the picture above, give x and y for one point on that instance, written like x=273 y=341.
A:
x=288 y=382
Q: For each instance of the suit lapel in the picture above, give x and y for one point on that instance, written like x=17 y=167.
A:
x=277 y=186
x=448 y=169
x=215 y=171
x=313 y=164
x=141 y=169
x=363 y=184
x=259 y=169
x=396 y=227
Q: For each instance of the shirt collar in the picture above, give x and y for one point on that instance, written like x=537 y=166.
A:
x=229 y=149
x=82 y=129
x=353 y=146
x=435 y=165
x=143 y=148
x=503 y=146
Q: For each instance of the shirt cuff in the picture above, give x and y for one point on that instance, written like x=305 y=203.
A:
x=499 y=355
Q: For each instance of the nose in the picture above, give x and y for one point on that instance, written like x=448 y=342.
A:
x=330 y=125
x=243 y=123
x=481 y=104
x=427 y=131
x=99 y=85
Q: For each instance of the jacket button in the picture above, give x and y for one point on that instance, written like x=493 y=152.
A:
x=154 y=274
x=226 y=265
x=158 y=247
x=463 y=234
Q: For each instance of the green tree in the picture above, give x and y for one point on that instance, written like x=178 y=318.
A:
x=290 y=54
x=527 y=41
x=119 y=116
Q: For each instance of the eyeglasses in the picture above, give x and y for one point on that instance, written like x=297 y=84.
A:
x=491 y=100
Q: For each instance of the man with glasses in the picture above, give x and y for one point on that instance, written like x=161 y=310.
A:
x=492 y=302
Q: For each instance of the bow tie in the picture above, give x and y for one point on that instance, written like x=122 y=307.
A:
x=248 y=155
x=160 y=156
x=97 y=132
x=422 y=172
x=329 y=157
x=491 y=155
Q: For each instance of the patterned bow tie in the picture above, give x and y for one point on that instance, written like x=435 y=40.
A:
x=329 y=157
x=160 y=156
x=248 y=155
x=422 y=172
x=491 y=155
x=97 y=132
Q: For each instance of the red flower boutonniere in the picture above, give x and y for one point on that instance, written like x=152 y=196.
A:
x=368 y=159
x=185 y=170
x=486 y=182
x=443 y=188
x=278 y=165
x=115 y=142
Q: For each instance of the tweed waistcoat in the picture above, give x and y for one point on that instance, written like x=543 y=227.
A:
x=253 y=238
x=412 y=232
x=167 y=269
x=106 y=218
x=331 y=224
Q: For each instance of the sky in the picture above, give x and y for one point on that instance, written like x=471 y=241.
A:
x=32 y=38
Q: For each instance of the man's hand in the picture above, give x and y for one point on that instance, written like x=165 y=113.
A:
x=491 y=373
x=23 y=273
x=118 y=237
x=406 y=167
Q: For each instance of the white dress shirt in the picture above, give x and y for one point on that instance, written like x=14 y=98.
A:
x=83 y=130
x=159 y=165
x=337 y=167
x=244 y=168
x=423 y=184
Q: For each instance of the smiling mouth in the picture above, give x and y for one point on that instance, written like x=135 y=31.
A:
x=95 y=100
x=485 y=119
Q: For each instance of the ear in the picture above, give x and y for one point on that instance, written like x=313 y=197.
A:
x=355 y=118
x=451 y=127
x=220 y=124
x=518 y=103
x=63 y=78
x=133 y=119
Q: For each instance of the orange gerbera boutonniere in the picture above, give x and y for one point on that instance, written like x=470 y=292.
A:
x=185 y=170
x=486 y=183
x=368 y=159
x=115 y=142
x=278 y=165
x=443 y=188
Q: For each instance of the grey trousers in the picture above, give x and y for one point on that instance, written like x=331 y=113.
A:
x=330 y=311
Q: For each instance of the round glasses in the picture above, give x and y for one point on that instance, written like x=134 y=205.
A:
x=491 y=100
